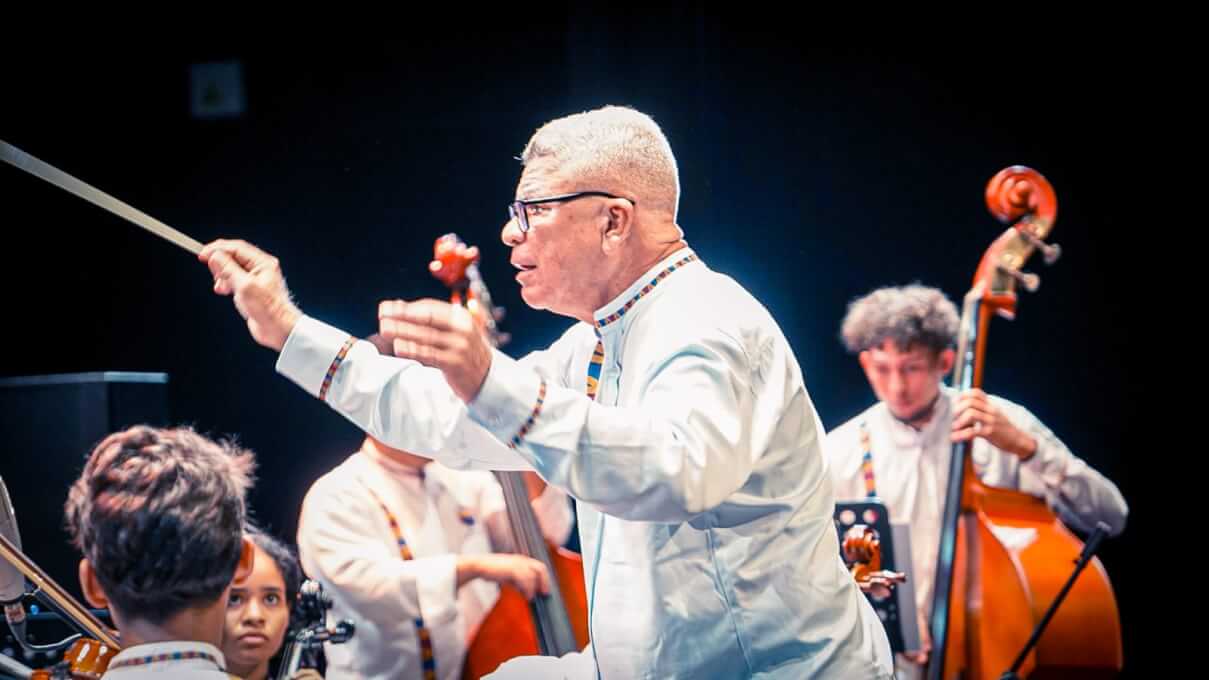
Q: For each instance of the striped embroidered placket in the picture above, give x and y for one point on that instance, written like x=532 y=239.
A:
x=428 y=660
x=867 y=461
x=597 y=360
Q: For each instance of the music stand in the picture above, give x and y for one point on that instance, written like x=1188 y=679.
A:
x=896 y=611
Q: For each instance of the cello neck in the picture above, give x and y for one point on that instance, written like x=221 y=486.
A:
x=969 y=342
x=554 y=631
x=966 y=370
x=291 y=657
x=455 y=264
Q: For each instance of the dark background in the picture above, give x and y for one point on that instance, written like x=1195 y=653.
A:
x=810 y=174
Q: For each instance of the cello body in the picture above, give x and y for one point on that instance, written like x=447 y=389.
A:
x=1007 y=589
x=508 y=630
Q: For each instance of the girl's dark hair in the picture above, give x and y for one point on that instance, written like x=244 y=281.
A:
x=283 y=556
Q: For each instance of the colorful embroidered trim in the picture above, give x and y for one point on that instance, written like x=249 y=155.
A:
x=537 y=409
x=594 y=368
x=331 y=370
x=166 y=656
x=466 y=517
x=645 y=289
x=867 y=462
x=428 y=660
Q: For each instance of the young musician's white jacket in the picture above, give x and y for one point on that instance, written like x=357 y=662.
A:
x=705 y=511
x=346 y=542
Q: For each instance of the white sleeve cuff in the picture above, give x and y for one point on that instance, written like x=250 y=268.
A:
x=508 y=398
x=309 y=352
x=1048 y=463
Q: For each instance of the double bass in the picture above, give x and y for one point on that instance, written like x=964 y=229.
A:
x=989 y=596
x=550 y=625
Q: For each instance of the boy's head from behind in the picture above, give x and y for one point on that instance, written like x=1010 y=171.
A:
x=158 y=515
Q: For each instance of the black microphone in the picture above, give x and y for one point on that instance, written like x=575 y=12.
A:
x=12 y=581
x=15 y=567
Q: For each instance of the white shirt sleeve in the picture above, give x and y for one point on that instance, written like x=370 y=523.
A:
x=573 y=666
x=403 y=403
x=668 y=459
x=1079 y=493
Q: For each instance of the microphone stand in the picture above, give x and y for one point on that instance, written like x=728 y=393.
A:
x=1089 y=549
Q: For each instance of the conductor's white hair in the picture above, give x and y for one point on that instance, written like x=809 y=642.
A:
x=614 y=149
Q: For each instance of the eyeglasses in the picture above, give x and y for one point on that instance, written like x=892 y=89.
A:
x=519 y=210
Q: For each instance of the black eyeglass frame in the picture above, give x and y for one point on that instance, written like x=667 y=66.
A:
x=516 y=209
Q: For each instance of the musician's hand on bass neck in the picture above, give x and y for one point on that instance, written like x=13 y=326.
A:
x=523 y=573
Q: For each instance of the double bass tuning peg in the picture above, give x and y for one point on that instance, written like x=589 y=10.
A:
x=1030 y=281
x=1050 y=252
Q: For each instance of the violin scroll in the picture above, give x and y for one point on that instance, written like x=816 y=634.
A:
x=862 y=548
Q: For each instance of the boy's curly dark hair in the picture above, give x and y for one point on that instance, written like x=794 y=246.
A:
x=159 y=513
